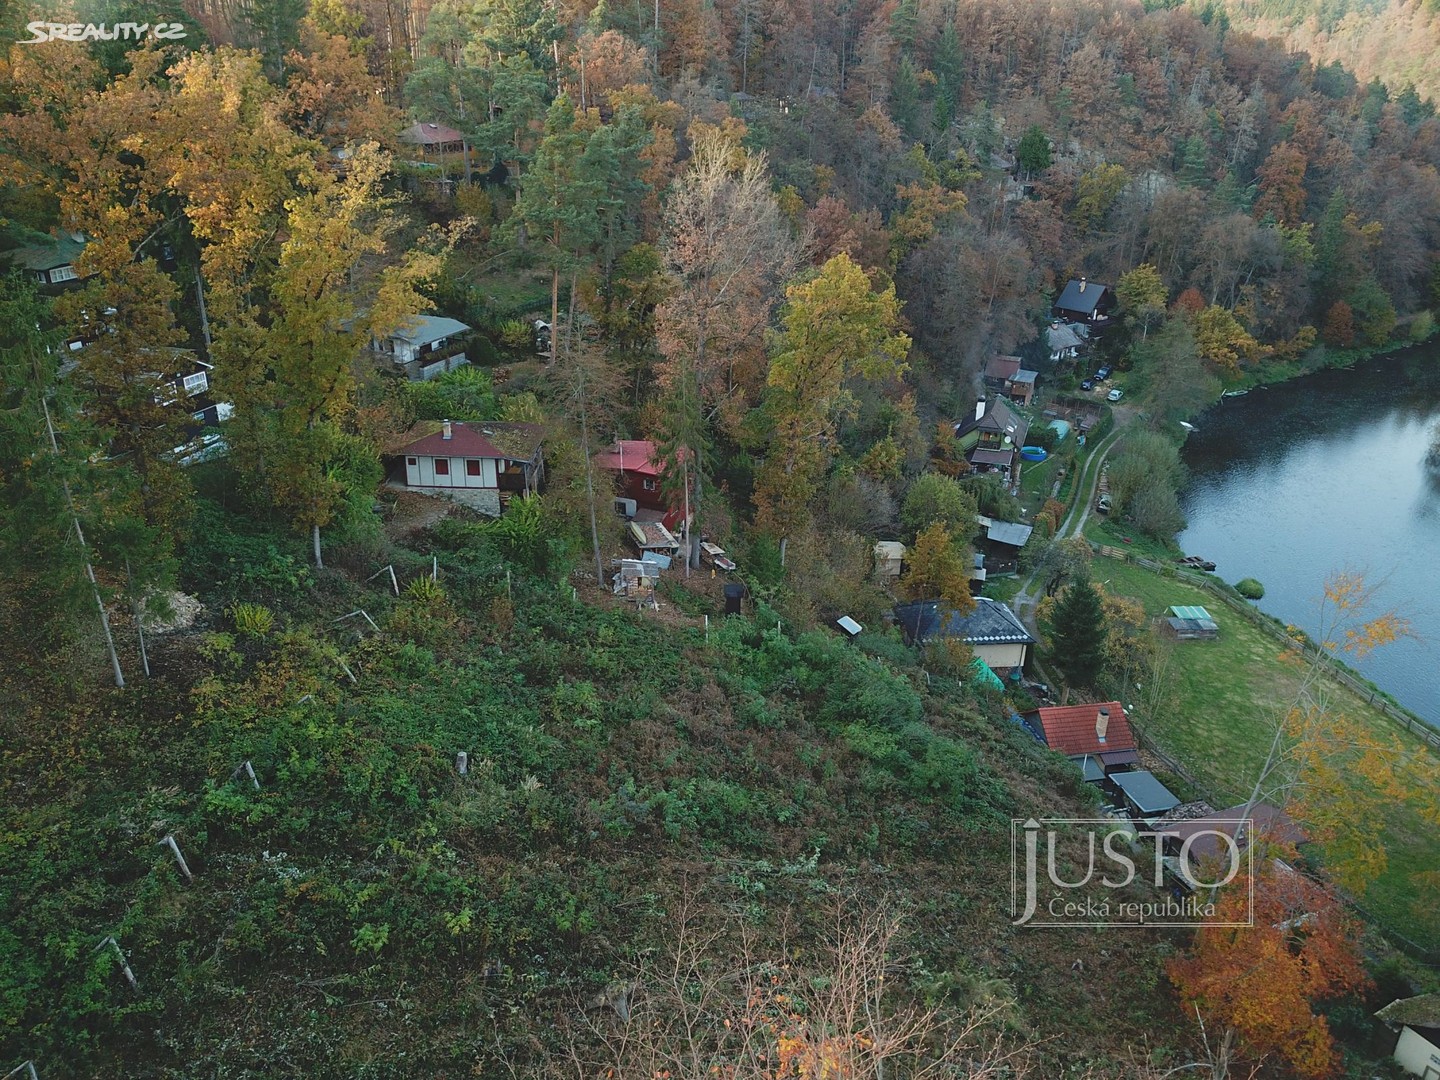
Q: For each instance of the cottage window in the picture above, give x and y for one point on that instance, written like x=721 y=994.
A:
x=442 y=467
x=649 y=483
x=472 y=467
x=62 y=273
x=196 y=384
x=411 y=461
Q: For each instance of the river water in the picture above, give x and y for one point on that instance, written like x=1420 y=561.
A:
x=1325 y=473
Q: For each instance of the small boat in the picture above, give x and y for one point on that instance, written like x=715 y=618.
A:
x=1235 y=393
x=1187 y=427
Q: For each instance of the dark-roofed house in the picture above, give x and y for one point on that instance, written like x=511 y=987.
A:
x=1096 y=737
x=1003 y=374
x=1065 y=341
x=1146 y=797
x=992 y=630
x=433 y=140
x=425 y=346
x=1418 y=1021
x=991 y=439
x=482 y=465
x=50 y=260
x=1085 y=301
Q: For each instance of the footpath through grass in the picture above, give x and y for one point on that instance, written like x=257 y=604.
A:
x=1226 y=697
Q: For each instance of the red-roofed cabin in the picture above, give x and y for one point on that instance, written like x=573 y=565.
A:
x=1096 y=737
x=482 y=465
x=638 y=470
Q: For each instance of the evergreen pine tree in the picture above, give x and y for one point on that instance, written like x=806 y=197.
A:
x=1033 y=152
x=1077 y=634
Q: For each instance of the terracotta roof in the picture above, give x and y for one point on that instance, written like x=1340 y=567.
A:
x=1070 y=729
x=426 y=134
x=491 y=439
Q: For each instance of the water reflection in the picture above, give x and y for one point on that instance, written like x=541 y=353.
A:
x=1328 y=472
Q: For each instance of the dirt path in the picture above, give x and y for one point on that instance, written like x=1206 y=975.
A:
x=1086 y=483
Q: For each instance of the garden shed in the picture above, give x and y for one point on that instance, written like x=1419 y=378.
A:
x=1189 y=622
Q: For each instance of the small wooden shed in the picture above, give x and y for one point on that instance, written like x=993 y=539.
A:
x=889 y=558
x=1186 y=622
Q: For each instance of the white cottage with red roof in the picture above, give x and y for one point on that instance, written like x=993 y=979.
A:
x=482 y=465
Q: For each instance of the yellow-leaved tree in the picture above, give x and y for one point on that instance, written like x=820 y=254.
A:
x=835 y=328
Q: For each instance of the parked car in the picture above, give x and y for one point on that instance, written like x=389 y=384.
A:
x=1115 y=395
x=1103 y=373
x=1087 y=384
x=1102 y=504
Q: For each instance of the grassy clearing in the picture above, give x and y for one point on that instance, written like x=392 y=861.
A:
x=1228 y=694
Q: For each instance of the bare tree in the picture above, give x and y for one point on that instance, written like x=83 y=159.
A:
x=727 y=249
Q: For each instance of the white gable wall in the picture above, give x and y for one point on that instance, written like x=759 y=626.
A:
x=997 y=656
x=420 y=471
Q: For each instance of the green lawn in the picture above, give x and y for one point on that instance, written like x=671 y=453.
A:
x=1227 y=694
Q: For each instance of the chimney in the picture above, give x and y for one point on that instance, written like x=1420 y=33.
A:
x=445 y=431
x=1102 y=723
x=1082 y=284
x=980 y=409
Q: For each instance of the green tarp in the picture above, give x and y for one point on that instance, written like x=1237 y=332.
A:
x=985 y=677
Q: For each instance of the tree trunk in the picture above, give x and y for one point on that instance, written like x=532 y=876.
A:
x=315 y=542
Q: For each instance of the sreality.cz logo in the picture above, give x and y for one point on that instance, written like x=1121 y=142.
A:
x=41 y=31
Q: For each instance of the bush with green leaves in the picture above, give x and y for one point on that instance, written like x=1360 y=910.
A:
x=252 y=620
x=935 y=497
x=1250 y=588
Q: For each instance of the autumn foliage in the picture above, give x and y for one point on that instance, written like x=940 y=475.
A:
x=1265 y=980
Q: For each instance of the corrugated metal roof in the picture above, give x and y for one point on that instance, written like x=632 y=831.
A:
x=1009 y=532
x=422 y=329
x=1190 y=611
x=1148 y=794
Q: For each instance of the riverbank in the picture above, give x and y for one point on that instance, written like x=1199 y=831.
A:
x=1317 y=359
x=1216 y=717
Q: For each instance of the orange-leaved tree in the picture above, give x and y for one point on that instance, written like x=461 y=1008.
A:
x=1263 y=981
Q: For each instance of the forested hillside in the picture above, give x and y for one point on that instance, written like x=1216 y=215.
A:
x=778 y=242
x=1395 y=41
